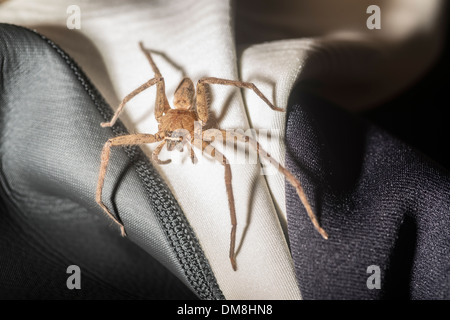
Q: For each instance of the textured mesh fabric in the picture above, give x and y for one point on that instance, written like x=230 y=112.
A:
x=382 y=202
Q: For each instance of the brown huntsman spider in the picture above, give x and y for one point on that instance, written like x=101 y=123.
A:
x=191 y=106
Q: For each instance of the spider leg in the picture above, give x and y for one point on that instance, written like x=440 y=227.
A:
x=289 y=176
x=193 y=157
x=202 y=103
x=223 y=160
x=162 y=104
x=130 y=96
x=186 y=140
x=132 y=139
x=189 y=142
x=156 y=152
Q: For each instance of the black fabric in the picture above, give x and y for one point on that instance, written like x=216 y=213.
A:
x=50 y=145
x=382 y=202
x=380 y=183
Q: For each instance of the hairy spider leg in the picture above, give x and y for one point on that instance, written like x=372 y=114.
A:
x=132 y=139
x=156 y=152
x=206 y=146
x=130 y=96
x=202 y=102
x=161 y=104
x=288 y=175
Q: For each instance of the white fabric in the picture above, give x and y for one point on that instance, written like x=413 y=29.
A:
x=197 y=36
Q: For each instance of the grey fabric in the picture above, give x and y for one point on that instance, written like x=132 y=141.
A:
x=50 y=150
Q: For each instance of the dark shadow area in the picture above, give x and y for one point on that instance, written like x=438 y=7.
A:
x=169 y=60
x=271 y=20
x=419 y=116
x=213 y=119
x=343 y=135
x=249 y=216
x=116 y=181
x=398 y=276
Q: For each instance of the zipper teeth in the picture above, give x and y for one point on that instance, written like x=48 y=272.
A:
x=175 y=225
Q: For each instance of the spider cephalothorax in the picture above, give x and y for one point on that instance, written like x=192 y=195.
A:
x=177 y=128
